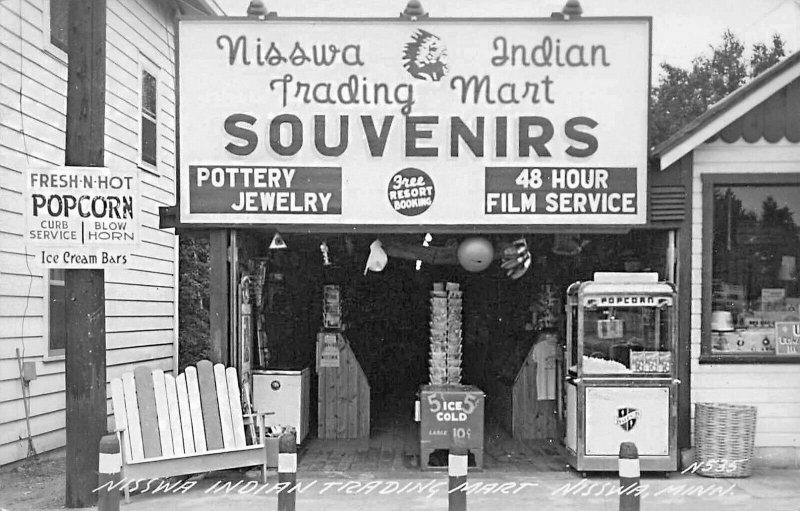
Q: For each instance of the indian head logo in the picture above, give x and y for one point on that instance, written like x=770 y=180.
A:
x=425 y=56
x=626 y=418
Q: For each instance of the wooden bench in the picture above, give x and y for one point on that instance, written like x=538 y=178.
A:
x=194 y=423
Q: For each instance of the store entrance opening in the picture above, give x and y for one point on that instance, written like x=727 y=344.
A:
x=315 y=307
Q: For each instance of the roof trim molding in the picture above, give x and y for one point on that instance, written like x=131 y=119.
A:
x=726 y=111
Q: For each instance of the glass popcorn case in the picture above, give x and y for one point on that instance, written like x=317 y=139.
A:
x=621 y=381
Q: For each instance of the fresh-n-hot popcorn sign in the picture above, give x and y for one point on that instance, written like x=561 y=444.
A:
x=389 y=122
x=81 y=217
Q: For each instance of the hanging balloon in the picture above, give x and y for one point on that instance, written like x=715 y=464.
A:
x=475 y=254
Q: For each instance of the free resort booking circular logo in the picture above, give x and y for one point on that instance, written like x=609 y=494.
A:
x=411 y=192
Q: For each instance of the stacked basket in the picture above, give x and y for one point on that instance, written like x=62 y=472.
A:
x=445 y=361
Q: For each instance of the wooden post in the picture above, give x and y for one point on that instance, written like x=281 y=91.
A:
x=108 y=474
x=219 y=297
x=287 y=471
x=85 y=351
x=457 y=478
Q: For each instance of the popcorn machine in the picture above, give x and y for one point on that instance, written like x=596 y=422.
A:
x=621 y=383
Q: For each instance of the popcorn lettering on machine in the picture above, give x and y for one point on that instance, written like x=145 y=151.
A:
x=621 y=383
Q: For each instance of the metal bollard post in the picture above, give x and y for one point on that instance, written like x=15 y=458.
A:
x=629 y=474
x=457 y=484
x=287 y=471
x=109 y=465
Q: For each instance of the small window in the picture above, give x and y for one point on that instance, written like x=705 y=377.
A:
x=57 y=312
x=149 y=115
x=752 y=242
x=55 y=28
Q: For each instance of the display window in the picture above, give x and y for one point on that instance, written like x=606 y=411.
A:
x=752 y=245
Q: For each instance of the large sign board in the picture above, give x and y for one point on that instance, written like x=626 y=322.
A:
x=393 y=123
x=82 y=217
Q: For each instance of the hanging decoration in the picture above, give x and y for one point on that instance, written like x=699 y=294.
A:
x=475 y=254
x=425 y=243
x=277 y=242
x=326 y=258
x=568 y=244
x=377 y=257
x=516 y=259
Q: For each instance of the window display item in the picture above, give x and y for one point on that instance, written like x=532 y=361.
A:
x=545 y=356
x=332 y=307
x=721 y=321
x=326 y=257
x=547 y=308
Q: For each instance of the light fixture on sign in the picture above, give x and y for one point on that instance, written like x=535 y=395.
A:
x=414 y=11
x=257 y=9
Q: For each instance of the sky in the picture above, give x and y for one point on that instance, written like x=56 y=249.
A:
x=682 y=29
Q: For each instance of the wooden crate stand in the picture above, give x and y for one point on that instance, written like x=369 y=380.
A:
x=343 y=399
x=451 y=415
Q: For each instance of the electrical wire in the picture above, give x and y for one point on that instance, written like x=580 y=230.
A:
x=25 y=395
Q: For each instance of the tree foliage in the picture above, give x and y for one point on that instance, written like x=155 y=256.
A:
x=193 y=301
x=683 y=94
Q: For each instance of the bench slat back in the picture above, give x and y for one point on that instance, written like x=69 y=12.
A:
x=226 y=422
x=186 y=416
x=148 y=416
x=132 y=411
x=208 y=400
x=174 y=413
x=235 y=398
x=120 y=412
x=196 y=411
x=162 y=415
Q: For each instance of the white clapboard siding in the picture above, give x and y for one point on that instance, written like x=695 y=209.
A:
x=43 y=442
x=773 y=389
x=141 y=277
x=140 y=326
x=37 y=405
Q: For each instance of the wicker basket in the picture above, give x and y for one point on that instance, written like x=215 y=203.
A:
x=724 y=438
